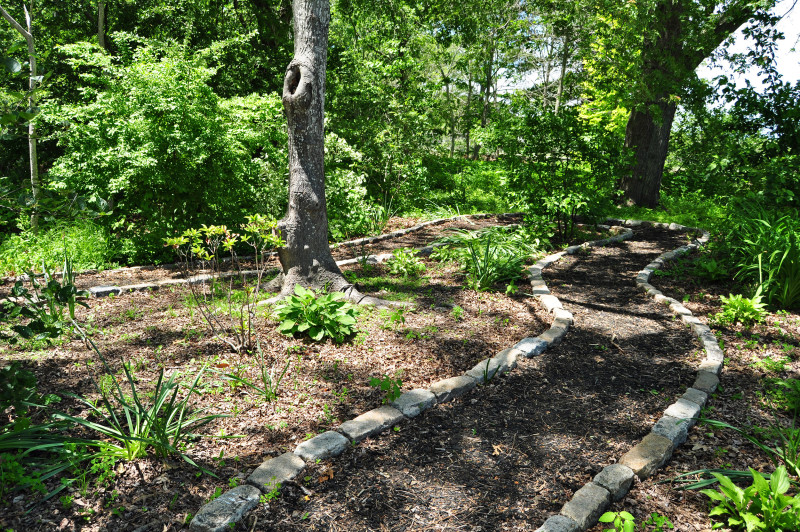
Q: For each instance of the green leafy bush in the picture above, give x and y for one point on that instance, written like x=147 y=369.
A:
x=203 y=248
x=138 y=421
x=762 y=506
x=391 y=387
x=406 y=263
x=165 y=150
x=763 y=248
x=326 y=315
x=488 y=256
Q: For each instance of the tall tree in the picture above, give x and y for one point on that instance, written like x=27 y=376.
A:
x=306 y=257
x=33 y=80
x=671 y=39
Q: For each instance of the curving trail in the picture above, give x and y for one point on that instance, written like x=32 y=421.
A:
x=509 y=455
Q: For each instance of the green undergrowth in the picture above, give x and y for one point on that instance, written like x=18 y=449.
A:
x=89 y=246
x=693 y=210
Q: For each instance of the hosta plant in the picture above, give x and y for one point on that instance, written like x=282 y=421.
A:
x=405 y=263
x=762 y=506
x=318 y=317
x=737 y=308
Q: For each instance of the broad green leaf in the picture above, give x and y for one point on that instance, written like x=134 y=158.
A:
x=12 y=65
x=779 y=481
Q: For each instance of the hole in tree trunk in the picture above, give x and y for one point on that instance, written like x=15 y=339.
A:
x=293 y=79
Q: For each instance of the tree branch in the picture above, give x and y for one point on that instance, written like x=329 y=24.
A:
x=22 y=31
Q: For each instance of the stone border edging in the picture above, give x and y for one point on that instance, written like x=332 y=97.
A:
x=106 y=290
x=587 y=504
x=221 y=513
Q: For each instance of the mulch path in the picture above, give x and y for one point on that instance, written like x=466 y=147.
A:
x=508 y=457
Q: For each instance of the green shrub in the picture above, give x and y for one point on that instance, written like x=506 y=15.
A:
x=488 y=256
x=763 y=248
x=762 y=506
x=392 y=388
x=88 y=245
x=405 y=263
x=326 y=315
x=48 y=311
x=165 y=150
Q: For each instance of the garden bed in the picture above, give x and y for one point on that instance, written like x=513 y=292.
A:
x=449 y=330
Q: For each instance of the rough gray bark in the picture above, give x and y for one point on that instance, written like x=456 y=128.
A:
x=306 y=258
x=668 y=61
x=101 y=24
x=648 y=136
x=32 y=82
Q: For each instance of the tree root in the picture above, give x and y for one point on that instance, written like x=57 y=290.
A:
x=333 y=282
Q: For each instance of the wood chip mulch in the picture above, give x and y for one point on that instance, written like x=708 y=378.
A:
x=503 y=457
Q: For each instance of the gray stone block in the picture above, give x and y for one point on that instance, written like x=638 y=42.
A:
x=690 y=320
x=550 y=302
x=141 y=287
x=561 y=323
x=711 y=366
x=572 y=250
x=677 y=227
x=653 y=292
x=662 y=299
x=680 y=310
x=104 y=291
x=326 y=445
x=674 y=429
x=643 y=277
x=448 y=389
x=413 y=402
x=540 y=291
x=695 y=396
x=507 y=359
x=564 y=315
x=531 y=347
x=648 y=455
x=587 y=505
x=371 y=423
x=276 y=471
x=616 y=478
x=539 y=283
x=706 y=381
x=714 y=352
x=700 y=328
x=554 y=257
x=553 y=335
x=228 y=508
x=535 y=272
x=684 y=409
x=559 y=523
x=485 y=370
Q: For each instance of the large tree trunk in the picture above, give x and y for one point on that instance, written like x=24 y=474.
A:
x=306 y=258
x=668 y=63
x=648 y=136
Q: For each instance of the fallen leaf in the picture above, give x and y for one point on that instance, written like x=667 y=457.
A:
x=496 y=450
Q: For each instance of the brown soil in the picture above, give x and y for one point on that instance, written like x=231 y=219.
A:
x=504 y=457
